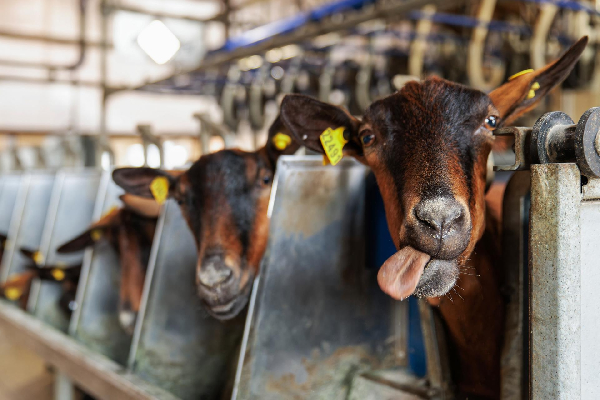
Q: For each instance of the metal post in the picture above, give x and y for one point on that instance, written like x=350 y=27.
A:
x=555 y=282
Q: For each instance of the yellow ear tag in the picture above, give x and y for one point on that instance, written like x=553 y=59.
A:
x=12 y=293
x=111 y=210
x=160 y=189
x=333 y=142
x=58 y=274
x=518 y=74
x=96 y=234
x=38 y=257
x=281 y=141
x=532 y=90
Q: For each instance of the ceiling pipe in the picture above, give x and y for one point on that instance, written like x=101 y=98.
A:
x=51 y=67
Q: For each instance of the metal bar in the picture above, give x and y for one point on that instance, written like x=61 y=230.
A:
x=27 y=79
x=94 y=373
x=129 y=8
x=555 y=282
x=590 y=278
x=307 y=32
x=515 y=219
x=69 y=67
x=51 y=40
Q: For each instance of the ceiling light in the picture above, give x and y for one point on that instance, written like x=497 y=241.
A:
x=158 y=42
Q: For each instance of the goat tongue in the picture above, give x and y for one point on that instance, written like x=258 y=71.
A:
x=400 y=274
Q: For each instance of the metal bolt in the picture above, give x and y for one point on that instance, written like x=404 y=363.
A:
x=597 y=143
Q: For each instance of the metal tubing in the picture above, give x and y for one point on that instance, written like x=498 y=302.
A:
x=51 y=40
x=387 y=11
x=555 y=282
x=69 y=67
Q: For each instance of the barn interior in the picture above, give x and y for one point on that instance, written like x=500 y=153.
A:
x=89 y=87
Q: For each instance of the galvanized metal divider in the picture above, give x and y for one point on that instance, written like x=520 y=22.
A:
x=564 y=278
x=8 y=196
x=95 y=323
x=70 y=211
x=515 y=259
x=563 y=317
x=176 y=345
x=27 y=222
x=318 y=326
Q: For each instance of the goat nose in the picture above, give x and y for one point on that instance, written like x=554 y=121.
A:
x=441 y=215
x=213 y=272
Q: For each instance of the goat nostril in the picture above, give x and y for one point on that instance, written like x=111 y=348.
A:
x=439 y=215
x=212 y=276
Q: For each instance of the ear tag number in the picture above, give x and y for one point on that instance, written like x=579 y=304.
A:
x=12 y=294
x=160 y=189
x=333 y=142
x=38 y=257
x=58 y=274
x=281 y=141
x=96 y=234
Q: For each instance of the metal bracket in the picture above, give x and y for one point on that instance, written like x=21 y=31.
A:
x=554 y=138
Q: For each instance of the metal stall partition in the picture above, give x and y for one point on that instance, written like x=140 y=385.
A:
x=95 y=323
x=515 y=257
x=28 y=220
x=176 y=345
x=318 y=325
x=8 y=196
x=556 y=296
x=564 y=279
x=70 y=211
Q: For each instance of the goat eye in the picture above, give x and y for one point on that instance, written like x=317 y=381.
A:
x=367 y=138
x=266 y=179
x=491 y=122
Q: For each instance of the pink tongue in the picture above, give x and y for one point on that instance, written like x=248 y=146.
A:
x=400 y=274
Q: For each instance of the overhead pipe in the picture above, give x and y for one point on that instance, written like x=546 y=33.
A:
x=50 y=40
x=69 y=67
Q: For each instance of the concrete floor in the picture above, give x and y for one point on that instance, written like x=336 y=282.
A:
x=23 y=375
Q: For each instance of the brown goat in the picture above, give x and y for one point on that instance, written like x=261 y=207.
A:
x=130 y=231
x=224 y=198
x=428 y=146
x=18 y=286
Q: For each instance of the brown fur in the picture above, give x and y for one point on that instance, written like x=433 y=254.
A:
x=430 y=142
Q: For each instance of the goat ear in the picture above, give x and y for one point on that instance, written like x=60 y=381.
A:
x=94 y=233
x=280 y=142
x=16 y=285
x=307 y=118
x=524 y=92
x=137 y=181
x=86 y=239
x=60 y=273
x=140 y=205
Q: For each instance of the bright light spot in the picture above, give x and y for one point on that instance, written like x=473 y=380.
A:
x=105 y=160
x=255 y=61
x=337 y=97
x=289 y=51
x=153 y=156
x=158 y=42
x=176 y=155
x=135 y=155
x=274 y=55
x=277 y=72
x=216 y=143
